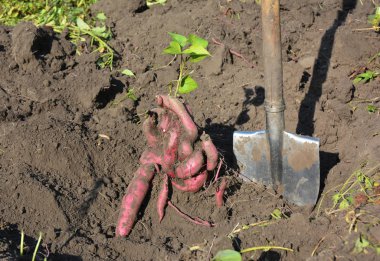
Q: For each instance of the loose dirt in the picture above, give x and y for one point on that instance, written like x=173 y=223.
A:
x=58 y=176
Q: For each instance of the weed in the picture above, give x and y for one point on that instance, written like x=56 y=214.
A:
x=232 y=255
x=277 y=214
x=371 y=108
x=191 y=49
x=374 y=19
x=61 y=14
x=365 y=77
x=128 y=72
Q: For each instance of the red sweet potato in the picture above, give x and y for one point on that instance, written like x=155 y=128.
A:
x=184 y=150
x=191 y=166
x=150 y=131
x=179 y=109
x=149 y=157
x=171 y=140
x=136 y=191
x=210 y=150
x=220 y=192
x=163 y=198
x=192 y=184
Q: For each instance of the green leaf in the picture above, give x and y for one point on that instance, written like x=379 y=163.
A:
x=173 y=48
x=101 y=16
x=344 y=204
x=82 y=24
x=371 y=108
x=360 y=244
x=195 y=40
x=196 y=50
x=187 y=85
x=197 y=58
x=276 y=214
x=336 y=198
x=182 y=40
x=128 y=72
x=227 y=255
x=99 y=30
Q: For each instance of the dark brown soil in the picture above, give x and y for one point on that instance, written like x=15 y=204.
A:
x=58 y=176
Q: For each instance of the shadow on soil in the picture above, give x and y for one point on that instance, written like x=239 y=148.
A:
x=305 y=124
x=11 y=237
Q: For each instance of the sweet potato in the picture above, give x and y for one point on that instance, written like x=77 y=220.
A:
x=220 y=193
x=150 y=157
x=163 y=198
x=184 y=150
x=210 y=150
x=193 y=184
x=179 y=109
x=136 y=191
x=170 y=148
x=150 y=131
x=191 y=166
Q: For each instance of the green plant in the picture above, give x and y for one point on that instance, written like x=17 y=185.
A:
x=35 y=249
x=365 y=77
x=371 y=108
x=191 y=49
x=227 y=255
x=60 y=14
x=150 y=3
x=374 y=19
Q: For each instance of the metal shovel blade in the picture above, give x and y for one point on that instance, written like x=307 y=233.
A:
x=300 y=164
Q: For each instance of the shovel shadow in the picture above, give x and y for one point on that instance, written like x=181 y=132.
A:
x=321 y=67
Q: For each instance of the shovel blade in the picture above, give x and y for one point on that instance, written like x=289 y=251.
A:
x=300 y=177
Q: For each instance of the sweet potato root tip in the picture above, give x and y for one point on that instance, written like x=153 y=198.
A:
x=163 y=198
x=195 y=220
x=210 y=150
x=220 y=192
x=191 y=166
x=179 y=109
x=136 y=191
x=184 y=150
x=192 y=184
x=149 y=157
x=151 y=133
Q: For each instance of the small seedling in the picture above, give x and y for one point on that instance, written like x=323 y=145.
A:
x=374 y=19
x=371 y=108
x=365 y=77
x=361 y=245
x=191 y=49
x=277 y=214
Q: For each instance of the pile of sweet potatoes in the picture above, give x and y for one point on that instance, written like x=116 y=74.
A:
x=173 y=151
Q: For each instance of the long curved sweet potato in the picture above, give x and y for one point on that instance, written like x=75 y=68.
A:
x=163 y=198
x=136 y=191
x=191 y=166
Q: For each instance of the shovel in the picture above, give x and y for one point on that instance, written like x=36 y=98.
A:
x=287 y=162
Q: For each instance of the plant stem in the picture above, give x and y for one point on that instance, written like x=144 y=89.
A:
x=22 y=243
x=265 y=248
x=37 y=246
x=181 y=67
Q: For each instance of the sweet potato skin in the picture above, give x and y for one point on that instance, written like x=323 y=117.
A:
x=163 y=198
x=136 y=191
x=210 y=150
